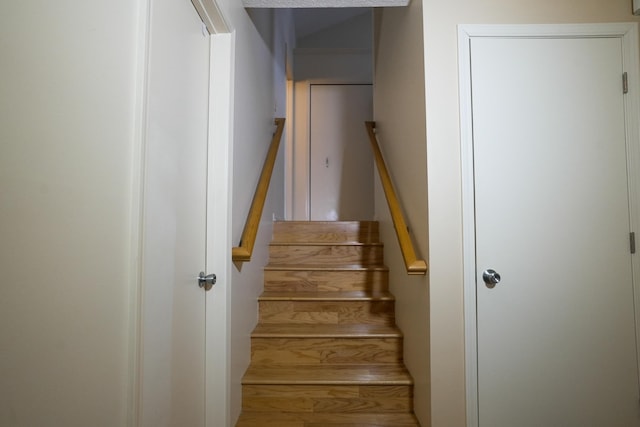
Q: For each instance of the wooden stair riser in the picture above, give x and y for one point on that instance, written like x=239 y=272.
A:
x=327 y=312
x=323 y=374
x=325 y=281
x=326 y=232
x=350 y=351
x=314 y=419
x=327 y=399
x=325 y=255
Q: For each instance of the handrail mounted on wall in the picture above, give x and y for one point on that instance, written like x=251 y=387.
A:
x=243 y=252
x=413 y=265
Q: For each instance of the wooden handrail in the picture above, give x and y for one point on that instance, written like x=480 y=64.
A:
x=413 y=265
x=243 y=252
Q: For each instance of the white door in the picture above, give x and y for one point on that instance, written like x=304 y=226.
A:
x=341 y=169
x=556 y=336
x=173 y=364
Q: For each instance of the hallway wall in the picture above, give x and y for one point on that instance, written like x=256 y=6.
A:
x=337 y=54
x=399 y=112
x=259 y=92
x=341 y=52
x=67 y=131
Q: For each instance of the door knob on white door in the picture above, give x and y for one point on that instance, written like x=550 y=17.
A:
x=206 y=281
x=491 y=278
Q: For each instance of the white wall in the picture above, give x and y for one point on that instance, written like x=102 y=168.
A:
x=443 y=147
x=259 y=94
x=352 y=33
x=67 y=98
x=69 y=123
x=340 y=52
x=348 y=65
x=399 y=112
x=283 y=46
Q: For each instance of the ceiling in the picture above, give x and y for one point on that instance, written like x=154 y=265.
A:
x=323 y=3
x=311 y=16
x=309 y=21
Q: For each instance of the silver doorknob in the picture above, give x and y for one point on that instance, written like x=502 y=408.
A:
x=491 y=277
x=206 y=281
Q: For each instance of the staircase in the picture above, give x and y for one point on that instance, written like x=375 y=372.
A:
x=326 y=351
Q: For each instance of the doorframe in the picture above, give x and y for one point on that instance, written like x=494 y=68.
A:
x=219 y=237
x=628 y=33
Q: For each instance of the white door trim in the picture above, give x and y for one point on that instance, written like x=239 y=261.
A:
x=219 y=239
x=211 y=15
x=136 y=282
x=288 y=150
x=628 y=33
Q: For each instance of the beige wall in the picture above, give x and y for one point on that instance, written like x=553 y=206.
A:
x=340 y=53
x=443 y=142
x=259 y=91
x=353 y=33
x=399 y=111
x=67 y=122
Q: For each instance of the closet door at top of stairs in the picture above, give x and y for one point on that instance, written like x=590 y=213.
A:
x=341 y=163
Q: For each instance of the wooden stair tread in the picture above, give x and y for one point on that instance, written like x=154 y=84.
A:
x=327 y=224
x=326 y=296
x=342 y=243
x=387 y=374
x=288 y=330
x=315 y=267
x=316 y=419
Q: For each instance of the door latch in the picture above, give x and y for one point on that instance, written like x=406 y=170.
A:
x=206 y=281
x=491 y=278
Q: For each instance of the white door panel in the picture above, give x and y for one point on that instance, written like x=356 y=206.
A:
x=341 y=163
x=173 y=380
x=556 y=337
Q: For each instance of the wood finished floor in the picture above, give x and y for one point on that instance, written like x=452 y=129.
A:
x=326 y=351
